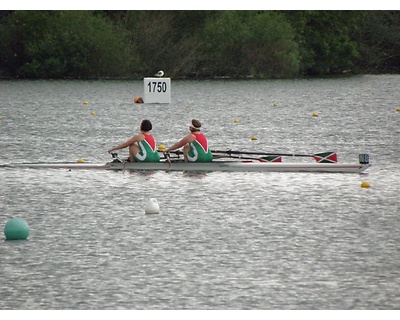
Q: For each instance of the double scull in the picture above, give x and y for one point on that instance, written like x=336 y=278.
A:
x=237 y=165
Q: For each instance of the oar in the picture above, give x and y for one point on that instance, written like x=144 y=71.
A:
x=325 y=157
x=261 y=159
x=115 y=157
x=265 y=158
x=168 y=159
x=174 y=151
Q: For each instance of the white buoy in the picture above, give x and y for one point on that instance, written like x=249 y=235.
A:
x=159 y=74
x=152 y=206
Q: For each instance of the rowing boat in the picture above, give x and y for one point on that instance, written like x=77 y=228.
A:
x=216 y=165
x=234 y=166
x=240 y=166
x=326 y=162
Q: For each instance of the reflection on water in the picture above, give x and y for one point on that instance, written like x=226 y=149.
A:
x=222 y=240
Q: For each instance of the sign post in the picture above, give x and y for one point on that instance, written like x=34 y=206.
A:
x=157 y=90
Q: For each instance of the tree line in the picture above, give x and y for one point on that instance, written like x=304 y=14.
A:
x=197 y=44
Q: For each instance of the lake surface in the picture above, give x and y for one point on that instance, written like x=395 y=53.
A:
x=261 y=241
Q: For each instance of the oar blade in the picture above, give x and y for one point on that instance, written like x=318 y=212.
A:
x=326 y=157
x=272 y=158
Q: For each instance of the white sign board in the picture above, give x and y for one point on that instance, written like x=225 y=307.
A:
x=157 y=90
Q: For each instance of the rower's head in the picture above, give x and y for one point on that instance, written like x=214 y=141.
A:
x=146 y=125
x=195 y=125
x=138 y=99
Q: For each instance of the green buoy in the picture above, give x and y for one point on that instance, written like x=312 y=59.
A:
x=16 y=229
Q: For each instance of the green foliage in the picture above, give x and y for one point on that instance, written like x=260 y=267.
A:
x=324 y=40
x=271 y=50
x=259 y=44
x=378 y=39
x=167 y=40
x=239 y=43
x=59 y=44
x=223 y=41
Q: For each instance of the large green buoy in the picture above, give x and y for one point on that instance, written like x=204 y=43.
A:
x=16 y=229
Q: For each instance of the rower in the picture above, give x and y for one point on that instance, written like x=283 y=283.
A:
x=195 y=145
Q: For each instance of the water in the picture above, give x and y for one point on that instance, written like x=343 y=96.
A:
x=222 y=240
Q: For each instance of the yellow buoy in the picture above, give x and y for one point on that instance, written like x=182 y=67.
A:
x=398 y=109
x=236 y=121
x=85 y=102
x=315 y=114
x=253 y=138
x=161 y=147
x=80 y=161
x=365 y=184
x=93 y=113
x=275 y=104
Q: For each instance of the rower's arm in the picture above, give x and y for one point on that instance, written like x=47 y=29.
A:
x=181 y=143
x=127 y=143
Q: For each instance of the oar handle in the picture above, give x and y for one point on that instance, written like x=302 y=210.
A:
x=174 y=152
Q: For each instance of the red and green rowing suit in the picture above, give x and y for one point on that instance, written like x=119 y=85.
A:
x=199 y=151
x=148 y=150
